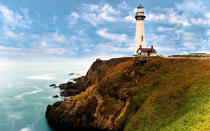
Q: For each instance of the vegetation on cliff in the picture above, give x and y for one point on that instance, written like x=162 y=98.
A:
x=164 y=94
x=171 y=95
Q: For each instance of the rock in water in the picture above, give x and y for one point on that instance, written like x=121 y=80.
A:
x=53 y=85
x=71 y=74
x=71 y=89
x=56 y=96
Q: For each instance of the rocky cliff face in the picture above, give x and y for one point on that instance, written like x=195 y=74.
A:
x=93 y=109
x=116 y=95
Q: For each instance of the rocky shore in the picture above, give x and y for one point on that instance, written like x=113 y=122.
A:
x=84 y=109
x=72 y=89
x=68 y=89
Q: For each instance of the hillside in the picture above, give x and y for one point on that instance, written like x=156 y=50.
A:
x=164 y=94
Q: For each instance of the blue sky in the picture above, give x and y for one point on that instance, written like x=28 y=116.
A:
x=43 y=29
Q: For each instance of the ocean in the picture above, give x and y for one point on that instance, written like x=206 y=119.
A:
x=25 y=92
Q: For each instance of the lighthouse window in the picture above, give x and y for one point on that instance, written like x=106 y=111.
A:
x=142 y=38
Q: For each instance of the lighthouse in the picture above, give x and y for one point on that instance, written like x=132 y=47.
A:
x=140 y=35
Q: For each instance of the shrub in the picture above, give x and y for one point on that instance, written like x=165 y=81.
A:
x=99 y=69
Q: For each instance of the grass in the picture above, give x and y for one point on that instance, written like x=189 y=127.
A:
x=165 y=94
x=189 y=56
x=173 y=95
x=99 y=69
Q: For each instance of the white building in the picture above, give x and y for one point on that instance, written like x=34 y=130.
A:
x=140 y=34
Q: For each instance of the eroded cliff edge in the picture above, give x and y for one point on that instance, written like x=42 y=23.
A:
x=93 y=109
x=120 y=96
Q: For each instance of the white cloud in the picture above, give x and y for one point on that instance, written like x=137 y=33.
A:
x=75 y=15
x=106 y=17
x=200 y=21
x=194 y=42
x=10 y=34
x=183 y=14
x=80 y=32
x=43 y=43
x=178 y=33
x=208 y=33
x=37 y=45
x=93 y=7
x=111 y=48
x=155 y=39
x=130 y=18
x=164 y=43
x=169 y=17
x=108 y=8
x=52 y=38
x=87 y=50
x=174 y=18
x=73 y=18
x=58 y=38
x=4 y=48
x=26 y=16
x=123 y=5
x=97 y=14
x=155 y=17
x=207 y=15
x=113 y=36
x=189 y=46
x=165 y=29
x=192 y=6
x=188 y=36
x=168 y=49
x=204 y=46
x=15 y=19
x=91 y=18
x=55 y=51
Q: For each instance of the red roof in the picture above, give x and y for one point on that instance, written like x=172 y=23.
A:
x=146 y=50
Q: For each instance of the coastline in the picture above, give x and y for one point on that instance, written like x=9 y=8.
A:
x=117 y=90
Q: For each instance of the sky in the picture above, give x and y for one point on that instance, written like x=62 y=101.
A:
x=75 y=29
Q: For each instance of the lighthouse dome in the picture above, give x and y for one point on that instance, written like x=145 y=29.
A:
x=140 y=8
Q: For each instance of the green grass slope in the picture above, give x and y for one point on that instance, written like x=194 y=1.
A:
x=165 y=94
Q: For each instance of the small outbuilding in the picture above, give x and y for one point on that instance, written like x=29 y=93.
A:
x=145 y=52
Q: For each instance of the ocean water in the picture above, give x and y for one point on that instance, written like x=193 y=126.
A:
x=25 y=92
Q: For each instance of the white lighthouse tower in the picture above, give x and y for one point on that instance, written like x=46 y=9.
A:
x=140 y=35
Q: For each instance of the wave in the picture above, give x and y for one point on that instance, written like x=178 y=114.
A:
x=16 y=115
x=26 y=129
x=41 y=77
x=28 y=93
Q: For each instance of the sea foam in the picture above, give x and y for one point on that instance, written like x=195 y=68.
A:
x=25 y=129
x=41 y=77
x=28 y=93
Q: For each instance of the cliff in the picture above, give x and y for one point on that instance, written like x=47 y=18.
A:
x=162 y=94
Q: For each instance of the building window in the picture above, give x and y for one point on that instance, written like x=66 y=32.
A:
x=142 y=38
